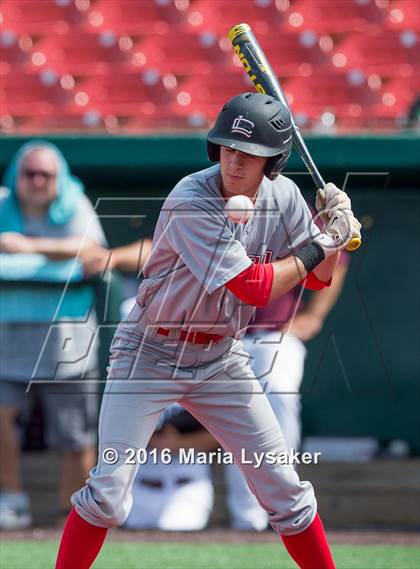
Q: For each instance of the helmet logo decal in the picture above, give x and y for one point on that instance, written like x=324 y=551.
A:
x=243 y=126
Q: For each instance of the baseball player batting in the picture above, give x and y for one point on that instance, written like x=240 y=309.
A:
x=181 y=342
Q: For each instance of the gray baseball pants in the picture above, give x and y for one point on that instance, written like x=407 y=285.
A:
x=215 y=384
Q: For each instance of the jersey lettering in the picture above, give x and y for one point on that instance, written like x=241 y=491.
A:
x=266 y=258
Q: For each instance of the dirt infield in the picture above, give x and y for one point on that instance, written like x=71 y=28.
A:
x=367 y=537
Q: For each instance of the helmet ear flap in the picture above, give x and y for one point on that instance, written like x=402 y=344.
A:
x=213 y=151
x=275 y=164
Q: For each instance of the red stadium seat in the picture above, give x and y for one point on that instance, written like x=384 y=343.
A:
x=15 y=51
x=331 y=17
x=361 y=123
x=207 y=94
x=143 y=65
x=343 y=95
x=218 y=16
x=59 y=122
x=125 y=94
x=404 y=15
x=180 y=53
x=397 y=97
x=92 y=121
x=294 y=54
x=39 y=17
x=137 y=17
x=165 y=122
x=389 y=53
x=82 y=53
x=24 y=95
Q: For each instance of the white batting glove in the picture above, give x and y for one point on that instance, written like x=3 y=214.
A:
x=330 y=199
x=341 y=228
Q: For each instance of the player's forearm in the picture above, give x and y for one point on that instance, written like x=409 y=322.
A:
x=290 y=271
x=131 y=258
x=60 y=248
x=260 y=283
x=322 y=301
x=287 y=274
x=325 y=270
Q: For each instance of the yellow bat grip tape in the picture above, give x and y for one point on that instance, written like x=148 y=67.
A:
x=353 y=244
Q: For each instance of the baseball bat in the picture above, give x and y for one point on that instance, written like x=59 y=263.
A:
x=265 y=81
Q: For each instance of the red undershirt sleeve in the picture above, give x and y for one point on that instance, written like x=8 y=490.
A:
x=312 y=282
x=254 y=284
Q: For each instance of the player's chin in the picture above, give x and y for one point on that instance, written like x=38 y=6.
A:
x=233 y=184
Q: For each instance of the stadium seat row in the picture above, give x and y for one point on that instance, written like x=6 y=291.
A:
x=79 y=62
x=154 y=16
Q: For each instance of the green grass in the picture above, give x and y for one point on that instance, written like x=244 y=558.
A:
x=41 y=555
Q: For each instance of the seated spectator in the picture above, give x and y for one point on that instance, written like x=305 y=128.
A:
x=45 y=219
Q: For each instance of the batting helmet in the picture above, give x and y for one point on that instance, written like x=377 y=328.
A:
x=256 y=124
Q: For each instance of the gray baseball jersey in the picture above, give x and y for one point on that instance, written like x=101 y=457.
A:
x=196 y=251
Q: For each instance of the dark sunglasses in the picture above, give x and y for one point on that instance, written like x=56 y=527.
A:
x=32 y=173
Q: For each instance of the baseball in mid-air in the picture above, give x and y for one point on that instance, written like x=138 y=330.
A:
x=239 y=208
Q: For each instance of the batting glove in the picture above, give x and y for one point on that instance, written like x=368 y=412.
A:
x=330 y=199
x=342 y=227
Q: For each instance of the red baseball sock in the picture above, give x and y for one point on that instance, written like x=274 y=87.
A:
x=80 y=544
x=310 y=548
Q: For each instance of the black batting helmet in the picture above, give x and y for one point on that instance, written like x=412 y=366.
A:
x=256 y=124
